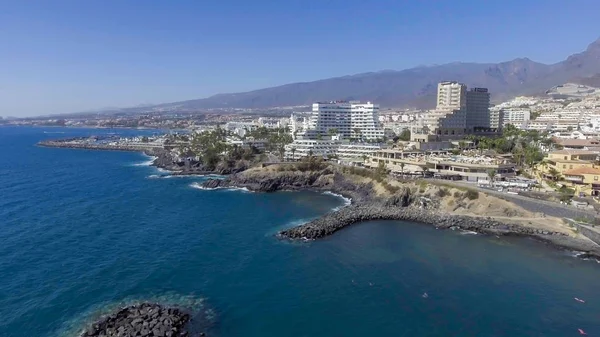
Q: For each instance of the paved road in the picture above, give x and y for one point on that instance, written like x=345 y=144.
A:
x=531 y=204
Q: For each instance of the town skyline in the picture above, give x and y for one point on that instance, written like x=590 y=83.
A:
x=67 y=58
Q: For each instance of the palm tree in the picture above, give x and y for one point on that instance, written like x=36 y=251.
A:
x=492 y=175
x=402 y=168
x=293 y=150
x=554 y=174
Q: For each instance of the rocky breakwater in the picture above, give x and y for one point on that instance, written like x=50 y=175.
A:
x=332 y=222
x=405 y=207
x=146 y=319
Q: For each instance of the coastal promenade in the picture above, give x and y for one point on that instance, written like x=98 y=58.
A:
x=549 y=208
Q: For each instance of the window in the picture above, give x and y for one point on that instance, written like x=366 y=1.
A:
x=595 y=178
x=564 y=166
x=570 y=166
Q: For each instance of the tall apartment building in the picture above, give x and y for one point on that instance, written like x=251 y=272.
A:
x=496 y=119
x=350 y=119
x=478 y=109
x=451 y=95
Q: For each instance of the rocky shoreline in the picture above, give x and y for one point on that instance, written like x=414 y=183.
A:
x=165 y=160
x=402 y=206
x=145 y=319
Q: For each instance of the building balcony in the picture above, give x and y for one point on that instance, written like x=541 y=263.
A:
x=574 y=179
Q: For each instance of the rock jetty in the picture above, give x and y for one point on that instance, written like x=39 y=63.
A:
x=145 y=319
x=332 y=222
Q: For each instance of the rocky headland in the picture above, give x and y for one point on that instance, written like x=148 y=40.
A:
x=376 y=198
x=145 y=319
x=166 y=160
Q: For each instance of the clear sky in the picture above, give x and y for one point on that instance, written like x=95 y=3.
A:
x=66 y=56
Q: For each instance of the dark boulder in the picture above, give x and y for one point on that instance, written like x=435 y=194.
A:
x=213 y=183
x=145 y=319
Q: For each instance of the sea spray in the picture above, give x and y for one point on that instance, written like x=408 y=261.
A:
x=347 y=201
x=148 y=162
x=198 y=186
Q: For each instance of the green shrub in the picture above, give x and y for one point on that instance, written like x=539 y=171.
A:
x=472 y=195
x=457 y=195
x=390 y=188
x=442 y=192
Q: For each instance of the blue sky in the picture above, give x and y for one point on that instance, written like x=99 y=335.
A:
x=66 y=56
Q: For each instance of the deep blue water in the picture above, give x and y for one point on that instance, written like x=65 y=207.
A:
x=81 y=231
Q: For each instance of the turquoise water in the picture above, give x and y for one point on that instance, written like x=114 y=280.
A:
x=81 y=231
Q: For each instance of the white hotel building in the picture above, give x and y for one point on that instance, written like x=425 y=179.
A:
x=515 y=116
x=346 y=152
x=346 y=118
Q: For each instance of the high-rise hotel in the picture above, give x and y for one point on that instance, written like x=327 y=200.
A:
x=458 y=112
x=351 y=119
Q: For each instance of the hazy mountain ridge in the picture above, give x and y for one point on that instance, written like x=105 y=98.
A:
x=415 y=87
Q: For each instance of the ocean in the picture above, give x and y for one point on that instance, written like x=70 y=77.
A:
x=84 y=231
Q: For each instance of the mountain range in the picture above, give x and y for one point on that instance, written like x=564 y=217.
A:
x=416 y=87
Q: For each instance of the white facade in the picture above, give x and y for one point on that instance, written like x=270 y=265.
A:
x=515 y=116
x=240 y=128
x=269 y=123
x=310 y=147
x=347 y=118
x=259 y=144
x=356 y=152
x=451 y=95
x=496 y=118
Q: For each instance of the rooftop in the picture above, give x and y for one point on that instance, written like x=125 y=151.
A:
x=582 y=170
x=573 y=152
x=577 y=142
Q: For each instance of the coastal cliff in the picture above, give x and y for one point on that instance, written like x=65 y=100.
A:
x=376 y=198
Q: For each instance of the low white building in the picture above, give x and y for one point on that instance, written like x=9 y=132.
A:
x=269 y=123
x=259 y=144
x=515 y=116
x=357 y=152
x=301 y=148
x=240 y=128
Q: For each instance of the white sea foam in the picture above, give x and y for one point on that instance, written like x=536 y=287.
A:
x=242 y=189
x=288 y=225
x=200 y=187
x=347 y=201
x=153 y=176
x=147 y=162
x=468 y=233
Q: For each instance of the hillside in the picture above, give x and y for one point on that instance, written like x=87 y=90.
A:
x=416 y=87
